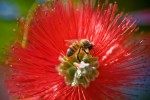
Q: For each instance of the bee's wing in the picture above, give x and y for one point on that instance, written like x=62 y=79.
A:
x=70 y=42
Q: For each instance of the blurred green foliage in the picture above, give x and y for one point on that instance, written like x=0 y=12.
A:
x=6 y=27
x=132 y=5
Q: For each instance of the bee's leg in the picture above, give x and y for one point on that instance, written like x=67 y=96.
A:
x=85 y=51
x=78 y=55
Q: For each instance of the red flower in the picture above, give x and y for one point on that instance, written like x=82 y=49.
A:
x=120 y=65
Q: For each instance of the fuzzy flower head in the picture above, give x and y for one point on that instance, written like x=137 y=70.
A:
x=78 y=52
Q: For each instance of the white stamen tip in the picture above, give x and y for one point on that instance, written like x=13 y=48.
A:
x=83 y=64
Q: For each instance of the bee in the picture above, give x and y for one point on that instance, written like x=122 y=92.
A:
x=77 y=46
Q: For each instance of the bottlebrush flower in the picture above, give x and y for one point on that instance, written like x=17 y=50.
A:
x=103 y=61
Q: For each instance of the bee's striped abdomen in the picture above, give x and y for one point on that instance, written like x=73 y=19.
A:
x=70 y=52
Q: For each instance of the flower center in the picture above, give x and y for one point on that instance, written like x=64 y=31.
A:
x=78 y=67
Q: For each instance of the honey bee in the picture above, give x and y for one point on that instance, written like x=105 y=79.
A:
x=77 y=46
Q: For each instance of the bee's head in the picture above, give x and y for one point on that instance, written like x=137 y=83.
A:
x=86 y=44
x=91 y=46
